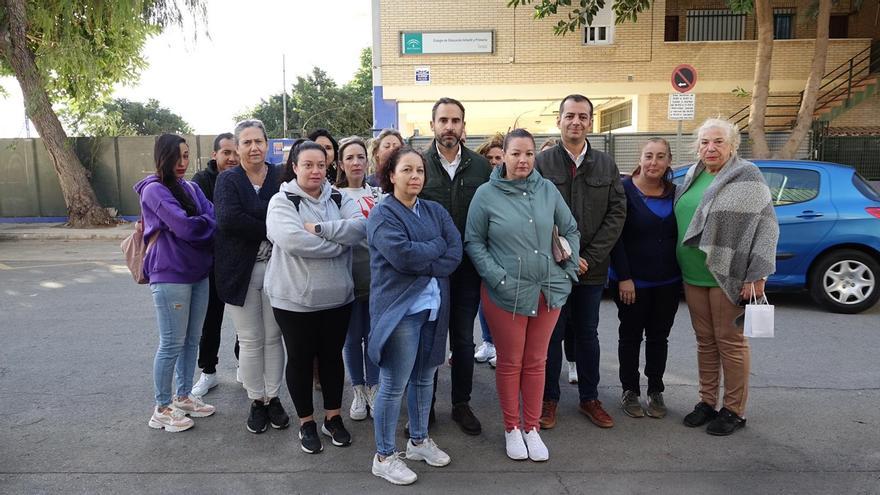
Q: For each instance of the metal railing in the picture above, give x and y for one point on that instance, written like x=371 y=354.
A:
x=838 y=87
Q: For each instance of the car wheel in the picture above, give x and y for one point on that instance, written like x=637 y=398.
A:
x=845 y=281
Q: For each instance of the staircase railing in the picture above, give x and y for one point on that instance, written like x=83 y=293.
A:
x=838 y=86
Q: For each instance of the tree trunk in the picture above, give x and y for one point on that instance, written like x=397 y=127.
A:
x=83 y=208
x=811 y=91
x=761 y=86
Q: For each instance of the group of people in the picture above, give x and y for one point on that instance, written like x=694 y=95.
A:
x=317 y=261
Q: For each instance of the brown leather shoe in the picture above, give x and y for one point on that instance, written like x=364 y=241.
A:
x=593 y=410
x=548 y=415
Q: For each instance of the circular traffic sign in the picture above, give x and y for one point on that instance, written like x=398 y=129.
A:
x=684 y=78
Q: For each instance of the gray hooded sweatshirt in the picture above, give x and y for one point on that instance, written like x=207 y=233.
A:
x=309 y=272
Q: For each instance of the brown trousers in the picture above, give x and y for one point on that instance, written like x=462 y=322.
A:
x=720 y=346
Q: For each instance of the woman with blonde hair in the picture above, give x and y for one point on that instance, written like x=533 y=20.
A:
x=381 y=148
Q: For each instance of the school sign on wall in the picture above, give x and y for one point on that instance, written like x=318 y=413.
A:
x=426 y=43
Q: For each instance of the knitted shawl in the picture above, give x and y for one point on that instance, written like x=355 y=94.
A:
x=734 y=224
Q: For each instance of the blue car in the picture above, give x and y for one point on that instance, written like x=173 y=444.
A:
x=829 y=232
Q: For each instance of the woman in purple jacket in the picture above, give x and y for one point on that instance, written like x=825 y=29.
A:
x=179 y=229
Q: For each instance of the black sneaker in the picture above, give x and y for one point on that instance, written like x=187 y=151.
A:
x=308 y=435
x=258 y=419
x=702 y=414
x=278 y=418
x=464 y=416
x=334 y=429
x=725 y=424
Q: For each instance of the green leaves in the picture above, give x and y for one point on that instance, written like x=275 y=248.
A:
x=584 y=13
x=317 y=101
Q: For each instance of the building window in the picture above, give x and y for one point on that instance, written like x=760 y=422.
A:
x=671 y=31
x=783 y=24
x=838 y=26
x=598 y=35
x=616 y=117
x=715 y=25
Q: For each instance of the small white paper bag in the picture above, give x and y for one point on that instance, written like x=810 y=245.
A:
x=759 y=320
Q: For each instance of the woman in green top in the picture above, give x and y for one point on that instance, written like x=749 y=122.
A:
x=727 y=233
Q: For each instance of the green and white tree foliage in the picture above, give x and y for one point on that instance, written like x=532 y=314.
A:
x=121 y=117
x=316 y=100
x=578 y=13
x=69 y=54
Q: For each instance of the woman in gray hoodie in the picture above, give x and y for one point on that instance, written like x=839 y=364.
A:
x=313 y=227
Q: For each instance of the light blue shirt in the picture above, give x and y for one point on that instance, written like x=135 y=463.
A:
x=429 y=299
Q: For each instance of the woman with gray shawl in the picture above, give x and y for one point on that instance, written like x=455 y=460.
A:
x=727 y=233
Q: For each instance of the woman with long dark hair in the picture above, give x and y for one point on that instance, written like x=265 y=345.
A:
x=179 y=227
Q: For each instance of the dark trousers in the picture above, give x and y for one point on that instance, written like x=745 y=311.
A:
x=651 y=315
x=568 y=342
x=465 y=294
x=209 y=345
x=321 y=335
x=582 y=309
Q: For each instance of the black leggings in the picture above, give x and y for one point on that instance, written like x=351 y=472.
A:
x=321 y=335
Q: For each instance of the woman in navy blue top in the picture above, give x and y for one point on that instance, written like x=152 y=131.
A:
x=646 y=280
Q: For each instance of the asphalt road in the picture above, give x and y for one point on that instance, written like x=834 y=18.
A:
x=78 y=338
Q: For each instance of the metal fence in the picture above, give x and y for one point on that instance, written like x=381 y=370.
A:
x=862 y=152
x=29 y=185
x=625 y=148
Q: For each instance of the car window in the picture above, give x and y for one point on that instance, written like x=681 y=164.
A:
x=791 y=185
x=865 y=188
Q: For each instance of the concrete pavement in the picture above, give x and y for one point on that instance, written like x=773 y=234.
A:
x=78 y=338
x=60 y=232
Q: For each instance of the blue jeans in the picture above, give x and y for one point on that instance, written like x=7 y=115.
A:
x=355 y=349
x=582 y=308
x=180 y=313
x=404 y=366
x=484 y=325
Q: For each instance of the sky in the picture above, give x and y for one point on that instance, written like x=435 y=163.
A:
x=208 y=81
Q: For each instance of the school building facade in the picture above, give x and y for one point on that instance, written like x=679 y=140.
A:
x=510 y=70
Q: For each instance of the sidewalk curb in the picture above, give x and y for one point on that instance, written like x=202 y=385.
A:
x=61 y=236
x=58 y=232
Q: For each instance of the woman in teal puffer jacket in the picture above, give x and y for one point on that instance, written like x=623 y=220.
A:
x=509 y=237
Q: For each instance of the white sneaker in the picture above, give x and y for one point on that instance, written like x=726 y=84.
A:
x=193 y=407
x=372 y=392
x=206 y=382
x=358 y=409
x=572 y=372
x=493 y=362
x=537 y=450
x=171 y=419
x=394 y=470
x=485 y=352
x=427 y=451
x=516 y=446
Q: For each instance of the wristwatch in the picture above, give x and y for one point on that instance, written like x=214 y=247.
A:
x=318 y=228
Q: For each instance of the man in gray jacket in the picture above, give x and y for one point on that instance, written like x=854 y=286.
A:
x=590 y=184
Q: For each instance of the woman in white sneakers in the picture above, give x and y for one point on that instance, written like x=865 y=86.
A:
x=179 y=229
x=414 y=247
x=363 y=372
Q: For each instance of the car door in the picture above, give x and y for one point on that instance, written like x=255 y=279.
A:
x=801 y=195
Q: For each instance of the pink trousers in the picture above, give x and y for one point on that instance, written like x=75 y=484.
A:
x=521 y=348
